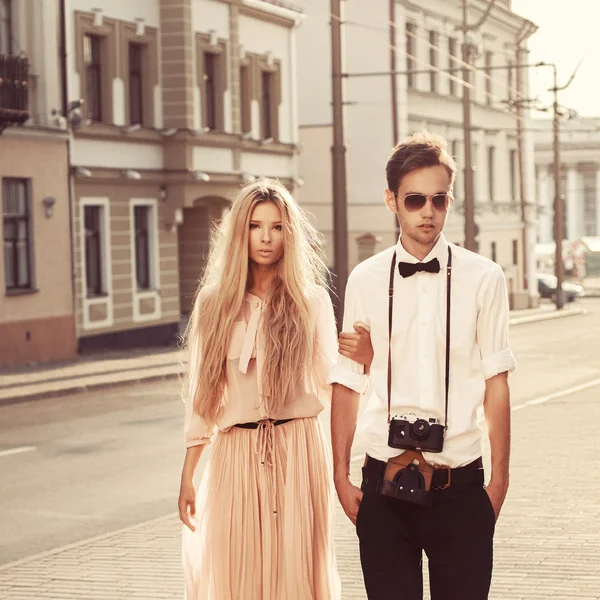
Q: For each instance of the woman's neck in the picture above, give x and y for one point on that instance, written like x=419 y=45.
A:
x=261 y=279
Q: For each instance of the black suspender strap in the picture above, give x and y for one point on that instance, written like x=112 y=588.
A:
x=390 y=320
x=448 y=303
x=390 y=316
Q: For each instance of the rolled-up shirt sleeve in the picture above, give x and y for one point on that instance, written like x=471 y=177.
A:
x=492 y=326
x=346 y=371
x=325 y=351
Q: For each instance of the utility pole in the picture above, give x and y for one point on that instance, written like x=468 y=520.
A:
x=394 y=88
x=559 y=206
x=559 y=200
x=470 y=243
x=528 y=279
x=469 y=202
x=521 y=166
x=338 y=158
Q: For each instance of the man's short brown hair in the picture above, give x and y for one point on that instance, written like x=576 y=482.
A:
x=418 y=151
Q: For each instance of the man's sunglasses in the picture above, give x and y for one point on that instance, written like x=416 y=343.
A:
x=414 y=202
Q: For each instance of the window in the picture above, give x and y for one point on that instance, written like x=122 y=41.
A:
x=245 y=99
x=5 y=27
x=267 y=105
x=93 y=217
x=493 y=249
x=515 y=249
x=488 y=77
x=142 y=228
x=454 y=149
x=452 y=65
x=210 y=73
x=16 y=227
x=509 y=80
x=135 y=84
x=491 y=182
x=93 y=76
x=433 y=55
x=512 y=165
x=411 y=30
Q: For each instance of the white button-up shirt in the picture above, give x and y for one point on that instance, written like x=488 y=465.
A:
x=478 y=346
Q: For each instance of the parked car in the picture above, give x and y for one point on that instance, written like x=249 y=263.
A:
x=547 y=288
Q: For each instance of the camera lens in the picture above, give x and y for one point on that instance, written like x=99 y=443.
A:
x=420 y=429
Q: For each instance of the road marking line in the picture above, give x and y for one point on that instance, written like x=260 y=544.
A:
x=20 y=450
x=533 y=402
x=566 y=392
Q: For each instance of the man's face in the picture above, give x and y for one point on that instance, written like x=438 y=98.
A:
x=422 y=225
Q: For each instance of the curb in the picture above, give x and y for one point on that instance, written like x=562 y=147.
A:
x=91 y=540
x=559 y=314
x=80 y=387
x=83 y=387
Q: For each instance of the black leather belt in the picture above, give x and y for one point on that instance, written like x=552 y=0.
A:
x=442 y=477
x=256 y=425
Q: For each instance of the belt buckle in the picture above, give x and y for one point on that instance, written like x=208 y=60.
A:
x=447 y=484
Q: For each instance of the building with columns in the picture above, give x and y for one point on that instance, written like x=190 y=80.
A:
x=427 y=46
x=580 y=177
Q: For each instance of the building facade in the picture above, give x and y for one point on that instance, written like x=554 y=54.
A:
x=428 y=93
x=37 y=320
x=580 y=177
x=184 y=101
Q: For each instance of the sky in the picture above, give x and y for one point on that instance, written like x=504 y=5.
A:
x=568 y=31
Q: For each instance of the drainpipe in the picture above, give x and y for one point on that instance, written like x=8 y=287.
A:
x=65 y=111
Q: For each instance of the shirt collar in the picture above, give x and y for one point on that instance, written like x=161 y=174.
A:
x=439 y=251
x=253 y=300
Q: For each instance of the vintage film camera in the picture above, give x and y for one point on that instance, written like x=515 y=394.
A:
x=410 y=432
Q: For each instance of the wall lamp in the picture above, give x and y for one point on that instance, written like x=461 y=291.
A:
x=49 y=203
x=81 y=172
x=201 y=175
x=131 y=174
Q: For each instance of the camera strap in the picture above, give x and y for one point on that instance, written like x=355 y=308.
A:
x=391 y=311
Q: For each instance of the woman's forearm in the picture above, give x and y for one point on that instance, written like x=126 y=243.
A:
x=192 y=457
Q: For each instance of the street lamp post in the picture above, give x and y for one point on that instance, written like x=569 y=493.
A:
x=338 y=158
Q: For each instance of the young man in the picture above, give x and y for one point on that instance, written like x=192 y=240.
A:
x=426 y=384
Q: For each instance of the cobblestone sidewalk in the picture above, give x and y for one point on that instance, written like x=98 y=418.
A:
x=547 y=541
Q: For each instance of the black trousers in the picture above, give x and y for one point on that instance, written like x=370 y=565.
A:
x=456 y=533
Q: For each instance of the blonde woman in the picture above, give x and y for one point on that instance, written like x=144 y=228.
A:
x=262 y=339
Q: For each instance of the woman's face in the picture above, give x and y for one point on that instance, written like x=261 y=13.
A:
x=266 y=234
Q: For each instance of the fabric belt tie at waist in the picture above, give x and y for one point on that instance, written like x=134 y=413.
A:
x=257 y=425
x=472 y=473
x=265 y=446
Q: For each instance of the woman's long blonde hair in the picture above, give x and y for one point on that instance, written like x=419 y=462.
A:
x=288 y=329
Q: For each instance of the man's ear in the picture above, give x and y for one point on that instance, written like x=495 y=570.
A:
x=390 y=201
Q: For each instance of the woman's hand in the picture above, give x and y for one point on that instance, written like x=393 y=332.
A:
x=357 y=346
x=187 y=503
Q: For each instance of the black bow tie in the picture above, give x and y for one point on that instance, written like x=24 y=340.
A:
x=408 y=269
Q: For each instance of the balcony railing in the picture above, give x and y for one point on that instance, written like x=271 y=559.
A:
x=14 y=90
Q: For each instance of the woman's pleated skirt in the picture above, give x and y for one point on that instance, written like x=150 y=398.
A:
x=264 y=517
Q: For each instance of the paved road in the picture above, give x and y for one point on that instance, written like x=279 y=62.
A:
x=103 y=461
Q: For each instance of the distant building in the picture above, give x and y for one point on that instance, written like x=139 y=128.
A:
x=428 y=44
x=580 y=172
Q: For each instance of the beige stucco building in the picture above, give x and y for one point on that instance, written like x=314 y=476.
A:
x=37 y=322
x=169 y=107
x=185 y=100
